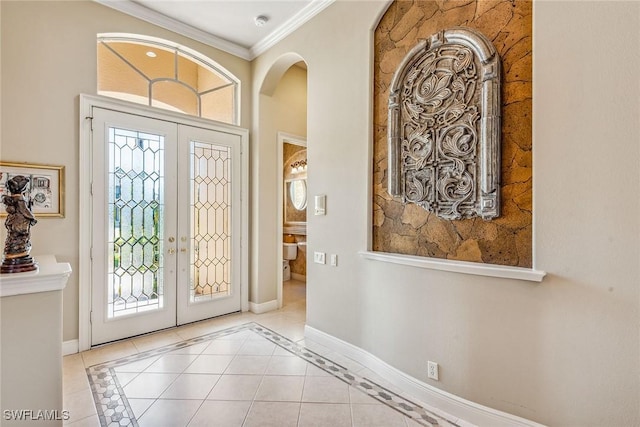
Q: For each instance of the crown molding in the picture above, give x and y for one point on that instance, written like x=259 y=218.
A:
x=295 y=22
x=141 y=12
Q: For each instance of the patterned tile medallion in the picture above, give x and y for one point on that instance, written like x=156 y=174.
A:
x=114 y=409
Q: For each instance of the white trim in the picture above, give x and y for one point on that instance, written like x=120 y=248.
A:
x=141 y=12
x=69 y=347
x=490 y=270
x=456 y=406
x=154 y=113
x=264 y=307
x=280 y=220
x=245 y=199
x=48 y=277
x=292 y=24
x=84 y=225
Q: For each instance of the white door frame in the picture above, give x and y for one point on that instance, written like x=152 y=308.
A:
x=291 y=139
x=87 y=102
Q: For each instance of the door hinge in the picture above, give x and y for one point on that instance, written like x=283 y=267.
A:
x=91 y=188
x=90 y=122
x=91 y=253
x=91 y=317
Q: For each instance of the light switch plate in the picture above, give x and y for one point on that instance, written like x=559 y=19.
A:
x=334 y=260
x=320 y=205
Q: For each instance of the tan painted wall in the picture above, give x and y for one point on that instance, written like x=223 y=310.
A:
x=410 y=229
x=534 y=350
x=49 y=58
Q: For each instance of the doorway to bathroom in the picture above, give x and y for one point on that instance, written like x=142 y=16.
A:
x=293 y=201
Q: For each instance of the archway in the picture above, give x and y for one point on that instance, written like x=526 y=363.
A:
x=281 y=110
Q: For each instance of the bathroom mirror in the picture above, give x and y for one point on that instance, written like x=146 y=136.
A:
x=298 y=194
x=295 y=206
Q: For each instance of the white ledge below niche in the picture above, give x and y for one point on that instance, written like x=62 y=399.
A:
x=491 y=270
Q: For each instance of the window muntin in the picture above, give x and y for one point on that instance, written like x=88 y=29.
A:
x=165 y=75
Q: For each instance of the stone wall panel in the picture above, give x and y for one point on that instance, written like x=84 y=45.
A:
x=411 y=230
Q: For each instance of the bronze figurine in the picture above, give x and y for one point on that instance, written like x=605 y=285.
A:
x=18 y=224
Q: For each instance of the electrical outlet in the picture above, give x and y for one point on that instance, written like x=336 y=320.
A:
x=318 y=257
x=432 y=370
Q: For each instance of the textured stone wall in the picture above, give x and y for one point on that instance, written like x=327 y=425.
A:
x=288 y=152
x=409 y=229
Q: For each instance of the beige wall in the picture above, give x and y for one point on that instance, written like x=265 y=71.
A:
x=31 y=355
x=563 y=352
x=48 y=59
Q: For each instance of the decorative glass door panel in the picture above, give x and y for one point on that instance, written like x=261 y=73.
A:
x=136 y=212
x=133 y=248
x=211 y=234
x=212 y=162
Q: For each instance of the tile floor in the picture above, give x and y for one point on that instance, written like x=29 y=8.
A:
x=237 y=370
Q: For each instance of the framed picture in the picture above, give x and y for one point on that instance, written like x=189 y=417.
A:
x=45 y=188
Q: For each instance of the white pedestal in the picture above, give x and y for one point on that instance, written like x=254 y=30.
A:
x=31 y=344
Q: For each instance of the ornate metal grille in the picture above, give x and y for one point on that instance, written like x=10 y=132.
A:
x=444 y=126
x=136 y=207
x=210 y=215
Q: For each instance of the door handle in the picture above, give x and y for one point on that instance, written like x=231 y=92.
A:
x=183 y=249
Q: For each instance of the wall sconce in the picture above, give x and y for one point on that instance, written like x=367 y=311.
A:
x=299 y=166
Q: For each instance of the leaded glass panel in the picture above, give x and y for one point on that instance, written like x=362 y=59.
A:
x=136 y=208
x=210 y=210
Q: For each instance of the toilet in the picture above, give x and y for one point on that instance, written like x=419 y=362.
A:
x=289 y=252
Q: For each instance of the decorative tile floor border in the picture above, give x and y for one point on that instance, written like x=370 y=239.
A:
x=114 y=409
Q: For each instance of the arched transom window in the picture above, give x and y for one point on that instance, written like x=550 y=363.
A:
x=166 y=75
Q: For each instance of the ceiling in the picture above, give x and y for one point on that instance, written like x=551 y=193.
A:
x=225 y=24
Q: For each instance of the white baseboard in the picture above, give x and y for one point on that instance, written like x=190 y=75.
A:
x=299 y=277
x=456 y=406
x=264 y=307
x=70 y=347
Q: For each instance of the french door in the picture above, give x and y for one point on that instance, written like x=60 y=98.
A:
x=166 y=224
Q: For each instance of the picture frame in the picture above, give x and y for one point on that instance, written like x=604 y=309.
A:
x=45 y=188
